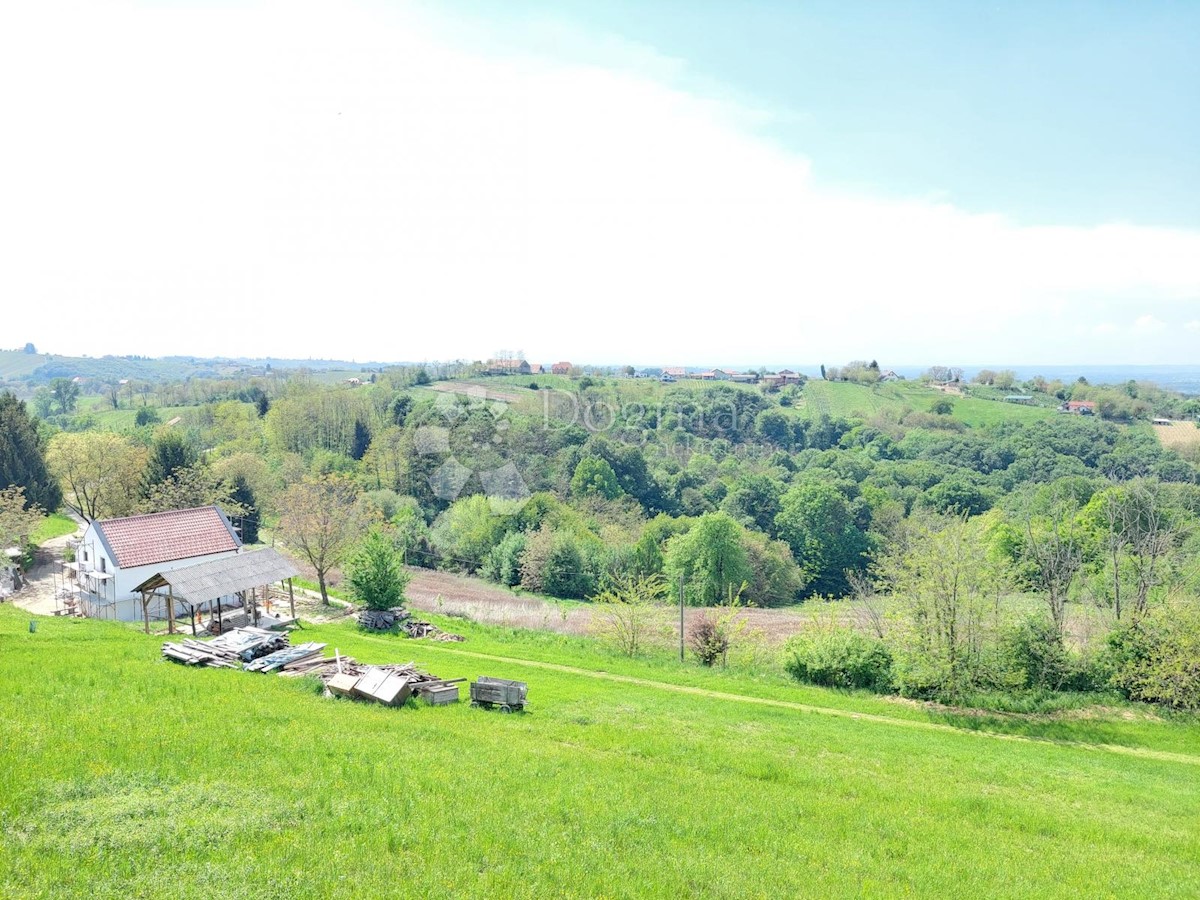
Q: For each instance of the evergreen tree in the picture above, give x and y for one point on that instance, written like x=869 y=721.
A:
x=22 y=456
x=362 y=440
x=244 y=496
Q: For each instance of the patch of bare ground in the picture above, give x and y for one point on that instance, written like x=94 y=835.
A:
x=39 y=595
x=1179 y=435
x=475 y=390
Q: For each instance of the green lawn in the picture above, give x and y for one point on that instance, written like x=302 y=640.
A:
x=122 y=775
x=53 y=526
x=853 y=401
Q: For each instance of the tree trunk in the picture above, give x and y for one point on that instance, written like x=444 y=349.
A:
x=321 y=584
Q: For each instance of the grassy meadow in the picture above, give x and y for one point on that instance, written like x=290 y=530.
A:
x=122 y=775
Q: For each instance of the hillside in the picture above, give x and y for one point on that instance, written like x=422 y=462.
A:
x=123 y=775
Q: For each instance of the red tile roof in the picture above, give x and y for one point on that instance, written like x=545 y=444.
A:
x=165 y=536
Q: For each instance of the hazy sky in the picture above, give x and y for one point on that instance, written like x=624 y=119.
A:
x=659 y=183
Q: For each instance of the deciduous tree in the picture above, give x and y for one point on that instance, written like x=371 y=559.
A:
x=318 y=522
x=101 y=473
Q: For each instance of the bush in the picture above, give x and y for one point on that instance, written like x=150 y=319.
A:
x=709 y=640
x=1035 y=654
x=839 y=657
x=503 y=563
x=1156 y=658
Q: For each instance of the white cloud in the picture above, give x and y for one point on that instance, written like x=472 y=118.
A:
x=1148 y=325
x=1193 y=325
x=345 y=182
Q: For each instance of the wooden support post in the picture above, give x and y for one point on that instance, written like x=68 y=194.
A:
x=193 y=620
x=292 y=598
x=170 y=609
x=146 y=609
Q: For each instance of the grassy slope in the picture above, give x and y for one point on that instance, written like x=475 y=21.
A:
x=17 y=364
x=53 y=526
x=842 y=399
x=121 y=775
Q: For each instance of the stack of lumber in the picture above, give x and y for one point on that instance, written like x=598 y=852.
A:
x=241 y=645
x=381 y=619
x=289 y=656
x=256 y=650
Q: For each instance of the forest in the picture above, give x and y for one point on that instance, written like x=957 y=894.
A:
x=975 y=550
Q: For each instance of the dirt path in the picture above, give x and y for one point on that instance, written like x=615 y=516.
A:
x=37 y=596
x=875 y=718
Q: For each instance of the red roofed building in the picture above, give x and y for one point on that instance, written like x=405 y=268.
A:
x=1080 y=407
x=116 y=555
x=560 y=368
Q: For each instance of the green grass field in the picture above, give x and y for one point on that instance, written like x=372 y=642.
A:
x=855 y=401
x=122 y=775
x=18 y=364
x=53 y=526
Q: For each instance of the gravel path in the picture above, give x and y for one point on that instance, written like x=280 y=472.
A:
x=37 y=596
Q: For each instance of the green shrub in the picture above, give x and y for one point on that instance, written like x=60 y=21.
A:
x=1156 y=658
x=503 y=563
x=839 y=657
x=1034 y=654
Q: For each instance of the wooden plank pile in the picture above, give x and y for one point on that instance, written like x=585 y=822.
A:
x=256 y=650
x=228 y=651
x=416 y=629
x=381 y=619
x=300 y=655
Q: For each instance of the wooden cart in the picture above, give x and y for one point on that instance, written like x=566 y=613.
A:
x=498 y=692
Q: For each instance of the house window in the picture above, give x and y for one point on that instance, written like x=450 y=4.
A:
x=85 y=556
x=103 y=561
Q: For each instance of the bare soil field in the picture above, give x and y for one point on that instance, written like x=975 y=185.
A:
x=475 y=390
x=1179 y=435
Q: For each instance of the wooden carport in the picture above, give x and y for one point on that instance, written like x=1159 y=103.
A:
x=208 y=582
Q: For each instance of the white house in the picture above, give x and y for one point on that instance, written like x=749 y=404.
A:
x=116 y=555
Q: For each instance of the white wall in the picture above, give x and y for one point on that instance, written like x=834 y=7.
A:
x=121 y=587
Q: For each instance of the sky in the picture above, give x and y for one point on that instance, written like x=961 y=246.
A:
x=661 y=183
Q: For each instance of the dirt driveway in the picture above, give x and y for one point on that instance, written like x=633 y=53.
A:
x=38 y=594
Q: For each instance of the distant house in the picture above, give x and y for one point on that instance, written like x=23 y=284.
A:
x=889 y=375
x=673 y=373
x=507 y=367
x=1080 y=407
x=354 y=382
x=743 y=377
x=783 y=377
x=1161 y=421
x=714 y=375
x=560 y=368
x=116 y=555
x=536 y=369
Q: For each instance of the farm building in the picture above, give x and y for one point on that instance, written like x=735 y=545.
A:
x=560 y=368
x=117 y=555
x=216 y=584
x=507 y=367
x=1080 y=407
